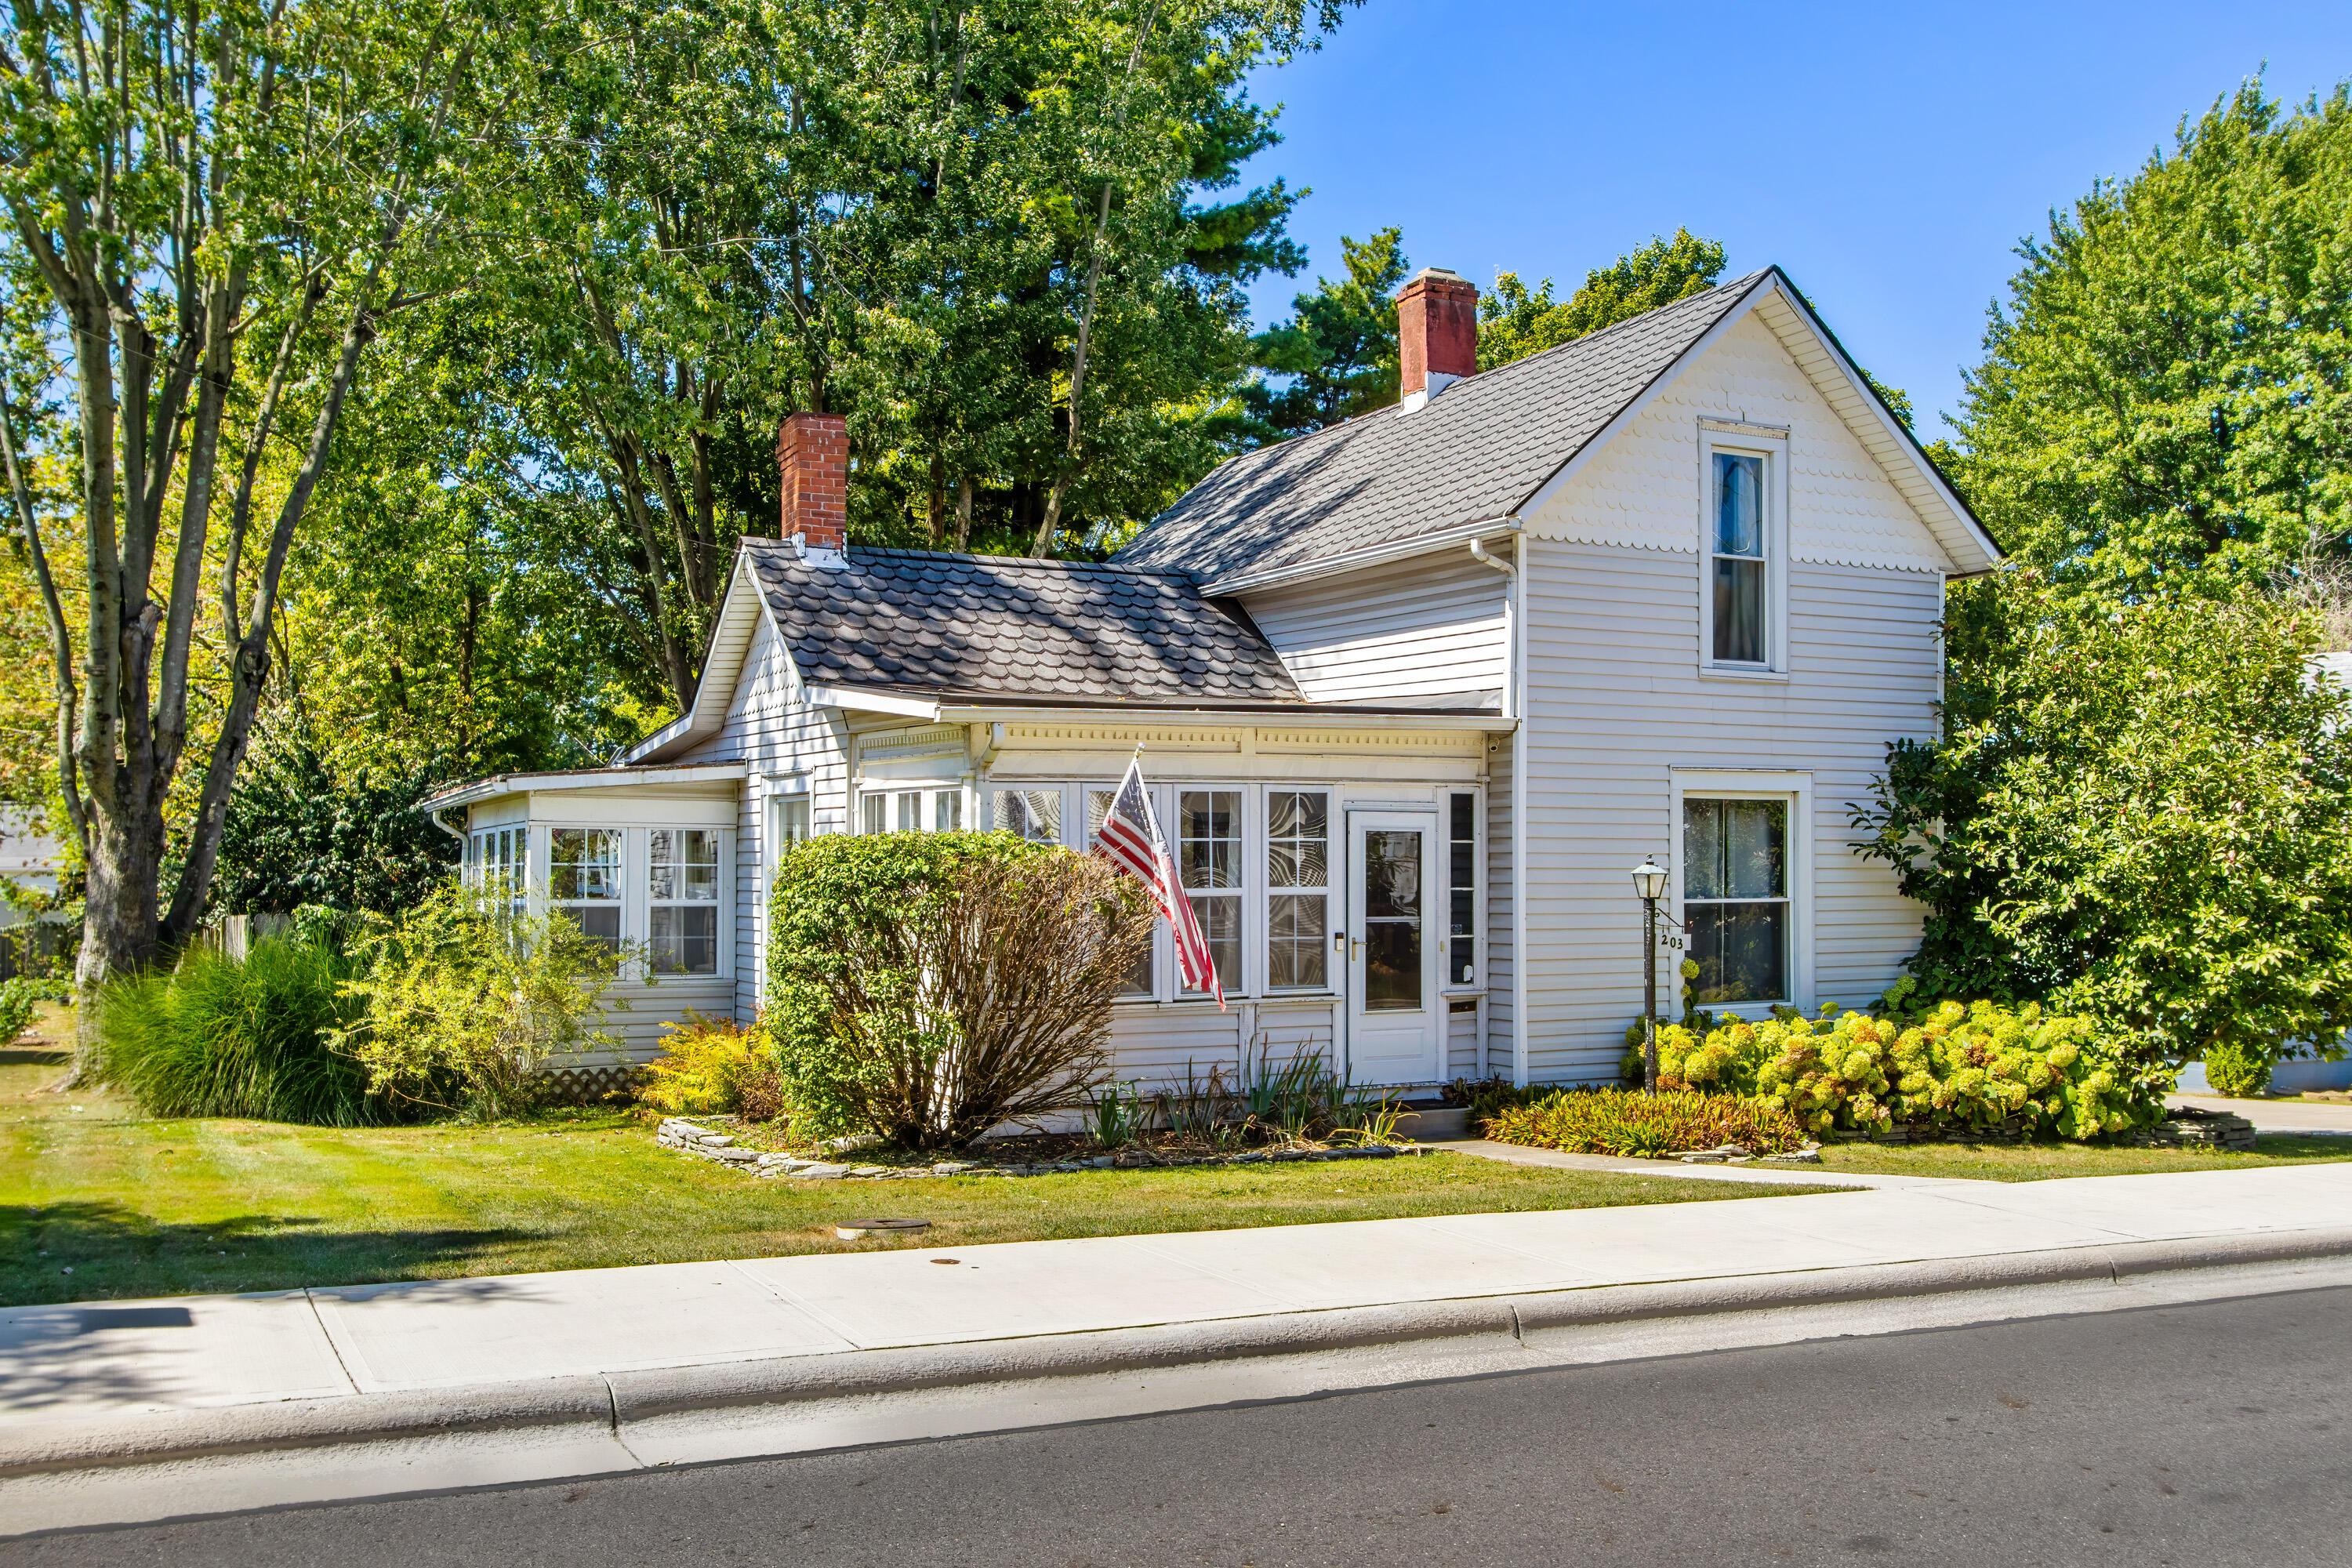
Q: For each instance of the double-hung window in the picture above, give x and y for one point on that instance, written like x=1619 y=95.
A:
x=1299 y=889
x=788 y=822
x=1736 y=898
x=584 y=879
x=1741 y=574
x=1209 y=860
x=682 y=900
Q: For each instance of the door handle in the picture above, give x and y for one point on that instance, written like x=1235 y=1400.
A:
x=1355 y=950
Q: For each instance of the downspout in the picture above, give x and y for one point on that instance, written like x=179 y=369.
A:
x=457 y=833
x=1515 y=706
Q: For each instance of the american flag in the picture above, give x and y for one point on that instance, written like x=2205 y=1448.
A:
x=1130 y=839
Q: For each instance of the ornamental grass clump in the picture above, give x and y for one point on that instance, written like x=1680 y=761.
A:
x=1626 y=1121
x=1951 y=1069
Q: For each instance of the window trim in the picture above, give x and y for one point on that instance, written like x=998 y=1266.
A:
x=1479 y=911
x=1796 y=788
x=1164 y=948
x=1738 y=438
x=626 y=889
x=1247 y=897
x=889 y=795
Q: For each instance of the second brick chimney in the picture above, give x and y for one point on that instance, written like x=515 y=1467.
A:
x=1437 y=334
x=813 y=459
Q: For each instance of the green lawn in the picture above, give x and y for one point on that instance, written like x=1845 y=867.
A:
x=2009 y=1163
x=136 y=1208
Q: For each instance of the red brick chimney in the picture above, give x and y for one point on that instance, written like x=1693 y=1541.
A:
x=1437 y=334
x=813 y=458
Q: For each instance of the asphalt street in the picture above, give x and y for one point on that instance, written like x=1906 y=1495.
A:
x=2217 y=1433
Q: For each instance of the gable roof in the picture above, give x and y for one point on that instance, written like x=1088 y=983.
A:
x=1487 y=447
x=936 y=624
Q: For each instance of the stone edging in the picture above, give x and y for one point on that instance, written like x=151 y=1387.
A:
x=689 y=1137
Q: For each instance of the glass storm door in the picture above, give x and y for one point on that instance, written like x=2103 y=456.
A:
x=1393 y=1009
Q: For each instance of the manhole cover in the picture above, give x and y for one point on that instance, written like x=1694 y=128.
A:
x=858 y=1230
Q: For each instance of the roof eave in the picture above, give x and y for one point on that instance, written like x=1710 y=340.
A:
x=475 y=791
x=1366 y=556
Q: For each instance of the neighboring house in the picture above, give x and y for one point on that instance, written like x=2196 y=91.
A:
x=1415 y=693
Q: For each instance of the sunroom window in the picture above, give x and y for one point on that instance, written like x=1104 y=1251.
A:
x=1736 y=898
x=682 y=900
x=584 y=879
x=1142 y=980
x=1299 y=889
x=912 y=810
x=1209 y=860
x=1035 y=814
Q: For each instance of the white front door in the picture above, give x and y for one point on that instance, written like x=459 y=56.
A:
x=1393 y=1008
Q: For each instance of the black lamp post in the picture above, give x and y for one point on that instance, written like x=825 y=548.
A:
x=1649 y=886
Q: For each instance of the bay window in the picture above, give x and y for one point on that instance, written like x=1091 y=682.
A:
x=682 y=900
x=1299 y=889
x=1736 y=898
x=584 y=879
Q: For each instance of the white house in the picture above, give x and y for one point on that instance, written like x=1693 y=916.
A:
x=1415 y=693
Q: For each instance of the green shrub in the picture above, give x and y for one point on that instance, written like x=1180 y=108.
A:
x=1484 y=1096
x=459 y=1003
x=1628 y=1122
x=712 y=1066
x=1949 y=1068
x=20 y=995
x=929 y=986
x=226 y=1037
x=2234 y=1069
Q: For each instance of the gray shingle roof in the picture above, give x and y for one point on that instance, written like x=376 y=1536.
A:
x=1475 y=452
x=929 y=622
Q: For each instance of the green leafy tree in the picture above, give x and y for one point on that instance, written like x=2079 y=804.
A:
x=297 y=834
x=1336 y=356
x=224 y=207
x=2140 y=814
x=1515 y=321
x=2168 y=388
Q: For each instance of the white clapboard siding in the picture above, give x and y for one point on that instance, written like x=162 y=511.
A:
x=780 y=740
x=1429 y=627
x=1462 y=1043
x=1496 y=949
x=1615 y=700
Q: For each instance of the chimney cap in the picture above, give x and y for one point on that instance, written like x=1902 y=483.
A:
x=1428 y=275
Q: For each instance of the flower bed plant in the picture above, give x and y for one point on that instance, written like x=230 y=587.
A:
x=1627 y=1121
x=1950 y=1069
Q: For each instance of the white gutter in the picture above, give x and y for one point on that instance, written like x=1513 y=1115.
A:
x=583 y=778
x=1370 y=555
x=1321 y=717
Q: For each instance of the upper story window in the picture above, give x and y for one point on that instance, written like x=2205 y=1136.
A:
x=1741 y=584
x=1736 y=898
x=1743 y=549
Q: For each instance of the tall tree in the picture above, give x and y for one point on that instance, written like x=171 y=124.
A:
x=1515 y=320
x=2168 y=389
x=223 y=205
x=1336 y=357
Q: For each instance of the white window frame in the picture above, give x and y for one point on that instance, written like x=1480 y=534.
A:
x=783 y=793
x=926 y=794
x=1163 y=950
x=1795 y=789
x=1479 y=914
x=1770 y=443
x=1249 y=896
x=481 y=846
x=715 y=903
x=1258 y=836
x=626 y=886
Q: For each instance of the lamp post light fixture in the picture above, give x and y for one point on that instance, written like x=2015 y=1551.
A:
x=1649 y=886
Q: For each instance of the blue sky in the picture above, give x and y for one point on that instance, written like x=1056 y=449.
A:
x=1888 y=156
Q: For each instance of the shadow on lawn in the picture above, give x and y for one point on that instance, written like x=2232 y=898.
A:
x=114 y=1251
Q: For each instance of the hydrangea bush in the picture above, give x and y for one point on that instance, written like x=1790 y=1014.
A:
x=1952 y=1067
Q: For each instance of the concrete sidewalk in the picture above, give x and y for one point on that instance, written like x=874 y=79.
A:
x=120 y=1380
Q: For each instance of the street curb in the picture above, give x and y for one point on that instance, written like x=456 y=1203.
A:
x=613 y=1401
